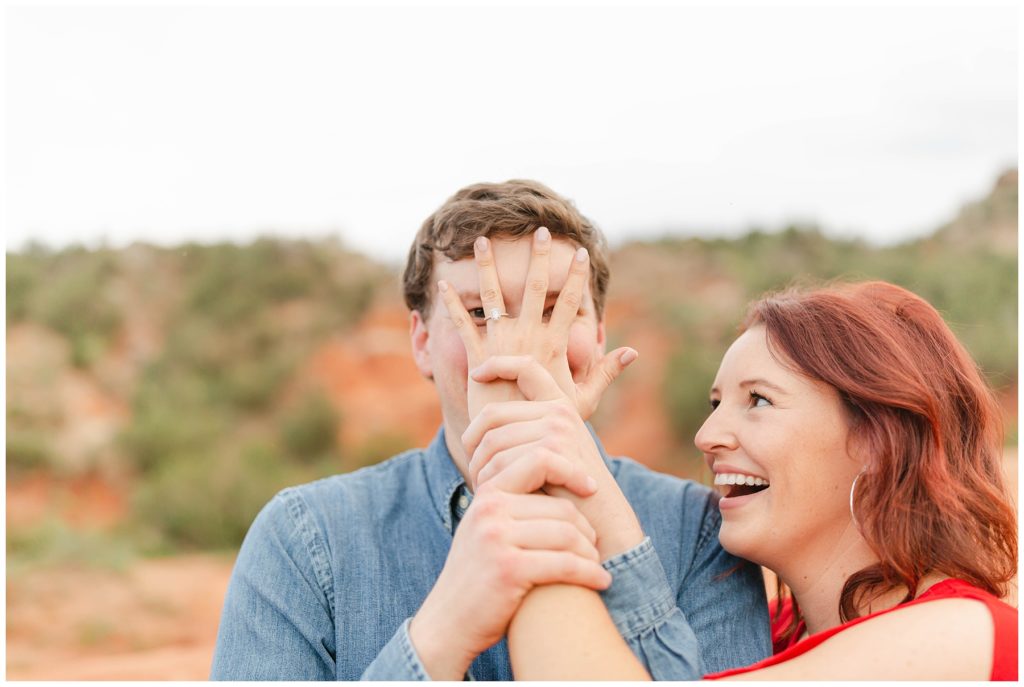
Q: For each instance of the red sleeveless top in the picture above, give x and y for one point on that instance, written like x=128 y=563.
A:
x=1004 y=619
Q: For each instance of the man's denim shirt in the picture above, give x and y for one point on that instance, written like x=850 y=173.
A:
x=331 y=573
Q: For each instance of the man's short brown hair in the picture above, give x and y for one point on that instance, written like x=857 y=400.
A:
x=513 y=209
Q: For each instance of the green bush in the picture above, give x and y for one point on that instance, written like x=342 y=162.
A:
x=208 y=500
x=27 y=450
x=53 y=542
x=76 y=302
x=310 y=429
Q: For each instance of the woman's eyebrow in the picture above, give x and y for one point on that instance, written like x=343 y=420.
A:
x=758 y=381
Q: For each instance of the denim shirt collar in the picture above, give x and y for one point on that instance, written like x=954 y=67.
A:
x=443 y=478
x=445 y=482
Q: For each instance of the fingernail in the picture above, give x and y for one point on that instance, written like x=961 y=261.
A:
x=591 y=483
x=481 y=244
x=628 y=356
x=543 y=234
x=581 y=254
x=442 y=286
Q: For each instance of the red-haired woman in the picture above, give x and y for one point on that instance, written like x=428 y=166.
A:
x=858 y=452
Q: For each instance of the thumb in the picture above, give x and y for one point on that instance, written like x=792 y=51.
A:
x=590 y=390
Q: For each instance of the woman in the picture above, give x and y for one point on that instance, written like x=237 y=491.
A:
x=858 y=451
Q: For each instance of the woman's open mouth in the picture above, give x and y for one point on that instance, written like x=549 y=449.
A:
x=740 y=485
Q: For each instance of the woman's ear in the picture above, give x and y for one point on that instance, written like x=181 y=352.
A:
x=419 y=336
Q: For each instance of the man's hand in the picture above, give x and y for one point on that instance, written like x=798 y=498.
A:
x=506 y=544
x=528 y=334
x=526 y=442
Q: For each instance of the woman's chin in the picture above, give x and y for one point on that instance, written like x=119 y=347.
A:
x=738 y=542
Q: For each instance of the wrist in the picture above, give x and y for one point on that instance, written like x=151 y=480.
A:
x=438 y=649
x=611 y=516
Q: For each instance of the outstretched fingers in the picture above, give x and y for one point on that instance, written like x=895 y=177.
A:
x=463 y=323
x=571 y=296
x=536 y=291
x=490 y=287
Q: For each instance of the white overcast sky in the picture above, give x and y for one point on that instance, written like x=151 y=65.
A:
x=172 y=123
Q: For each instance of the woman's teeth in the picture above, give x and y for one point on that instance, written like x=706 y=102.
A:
x=723 y=478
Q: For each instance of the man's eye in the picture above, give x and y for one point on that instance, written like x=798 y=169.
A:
x=714 y=403
x=759 y=401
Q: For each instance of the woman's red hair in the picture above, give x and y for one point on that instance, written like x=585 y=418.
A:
x=932 y=498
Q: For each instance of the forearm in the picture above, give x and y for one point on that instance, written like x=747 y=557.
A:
x=564 y=632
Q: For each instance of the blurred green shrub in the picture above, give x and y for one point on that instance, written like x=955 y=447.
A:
x=28 y=450
x=209 y=499
x=309 y=430
x=53 y=542
x=68 y=291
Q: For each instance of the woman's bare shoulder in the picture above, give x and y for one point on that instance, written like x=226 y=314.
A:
x=944 y=639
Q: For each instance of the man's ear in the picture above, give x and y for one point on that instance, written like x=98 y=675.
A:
x=420 y=338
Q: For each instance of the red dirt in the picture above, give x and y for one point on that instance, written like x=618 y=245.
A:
x=156 y=621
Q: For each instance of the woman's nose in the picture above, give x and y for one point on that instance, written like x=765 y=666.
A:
x=715 y=434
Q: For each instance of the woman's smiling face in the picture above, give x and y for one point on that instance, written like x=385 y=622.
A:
x=772 y=426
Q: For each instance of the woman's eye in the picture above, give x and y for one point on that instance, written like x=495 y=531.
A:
x=477 y=313
x=759 y=401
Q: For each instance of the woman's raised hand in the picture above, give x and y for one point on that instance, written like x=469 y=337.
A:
x=528 y=333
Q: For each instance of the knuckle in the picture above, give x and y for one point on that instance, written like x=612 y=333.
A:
x=562 y=413
x=538 y=286
x=490 y=294
x=572 y=298
x=491 y=532
x=488 y=502
x=508 y=568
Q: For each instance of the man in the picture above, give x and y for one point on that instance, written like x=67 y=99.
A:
x=378 y=574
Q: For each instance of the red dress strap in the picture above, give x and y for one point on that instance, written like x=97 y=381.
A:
x=1004 y=620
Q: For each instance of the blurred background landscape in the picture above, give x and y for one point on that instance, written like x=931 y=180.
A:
x=157 y=397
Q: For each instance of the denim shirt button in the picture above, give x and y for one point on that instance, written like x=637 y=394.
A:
x=463 y=502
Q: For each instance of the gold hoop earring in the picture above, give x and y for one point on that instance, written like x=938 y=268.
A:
x=852 y=488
